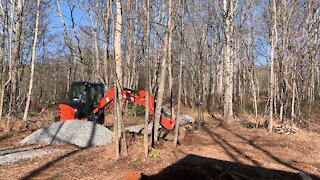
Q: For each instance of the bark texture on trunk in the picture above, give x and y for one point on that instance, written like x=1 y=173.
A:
x=176 y=133
x=272 y=58
x=146 y=120
x=162 y=76
x=120 y=136
x=228 y=8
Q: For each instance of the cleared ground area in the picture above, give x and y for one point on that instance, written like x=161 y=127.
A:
x=214 y=147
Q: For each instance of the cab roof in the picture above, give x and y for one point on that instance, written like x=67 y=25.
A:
x=87 y=83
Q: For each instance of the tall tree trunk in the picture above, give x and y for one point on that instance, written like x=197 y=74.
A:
x=94 y=6
x=273 y=49
x=16 y=55
x=133 y=78
x=169 y=59
x=96 y=53
x=33 y=56
x=293 y=101
x=146 y=120
x=69 y=45
x=118 y=79
x=185 y=93
x=106 y=31
x=10 y=35
x=128 y=45
x=162 y=77
x=228 y=64
x=219 y=77
x=253 y=73
x=2 y=61
x=176 y=133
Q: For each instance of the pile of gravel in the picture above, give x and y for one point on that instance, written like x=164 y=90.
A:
x=11 y=156
x=139 y=129
x=79 y=133
x=184 y=118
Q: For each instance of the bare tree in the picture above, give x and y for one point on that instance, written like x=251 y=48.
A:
x=169 y=58
x=119 y=134
x=175 y=142
x=68 y=43
x=146 y=120
x=229 y=8
x=2 y=60
x=273 y=39
x=33 y=56
x=162 y=74
x=106 y=31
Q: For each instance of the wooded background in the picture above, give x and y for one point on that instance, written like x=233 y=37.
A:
x=238 y=57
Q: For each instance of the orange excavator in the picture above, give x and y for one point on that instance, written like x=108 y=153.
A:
x=88 y=102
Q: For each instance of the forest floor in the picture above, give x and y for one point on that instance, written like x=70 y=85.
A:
x=213 y=143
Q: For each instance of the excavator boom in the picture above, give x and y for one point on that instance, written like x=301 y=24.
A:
x=128 y=95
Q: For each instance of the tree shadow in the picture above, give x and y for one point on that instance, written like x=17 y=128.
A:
x=22 y=149
x=197 y=167
x=251 y=143
x=51 y=163
x=225 y=144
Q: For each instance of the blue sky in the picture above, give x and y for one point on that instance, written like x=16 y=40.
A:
x=81 y=19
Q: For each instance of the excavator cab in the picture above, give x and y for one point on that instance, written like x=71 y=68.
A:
x=87 y=93
x=83 y=98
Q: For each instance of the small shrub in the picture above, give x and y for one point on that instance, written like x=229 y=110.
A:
x=155 y=153
x=138 y=109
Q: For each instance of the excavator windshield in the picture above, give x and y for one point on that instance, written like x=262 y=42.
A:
x=78 y=92
x=86 y=92
x=96 y=93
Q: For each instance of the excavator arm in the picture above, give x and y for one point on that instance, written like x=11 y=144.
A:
x=129 y=95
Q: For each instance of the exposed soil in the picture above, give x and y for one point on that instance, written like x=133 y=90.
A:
x=254 y=149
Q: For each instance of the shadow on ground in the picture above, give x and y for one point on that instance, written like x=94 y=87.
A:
x=224 y=143
x=197 y=167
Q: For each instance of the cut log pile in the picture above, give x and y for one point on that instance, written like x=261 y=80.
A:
x=284 y=129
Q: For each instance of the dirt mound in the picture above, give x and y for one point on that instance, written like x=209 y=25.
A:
x=79 y=133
